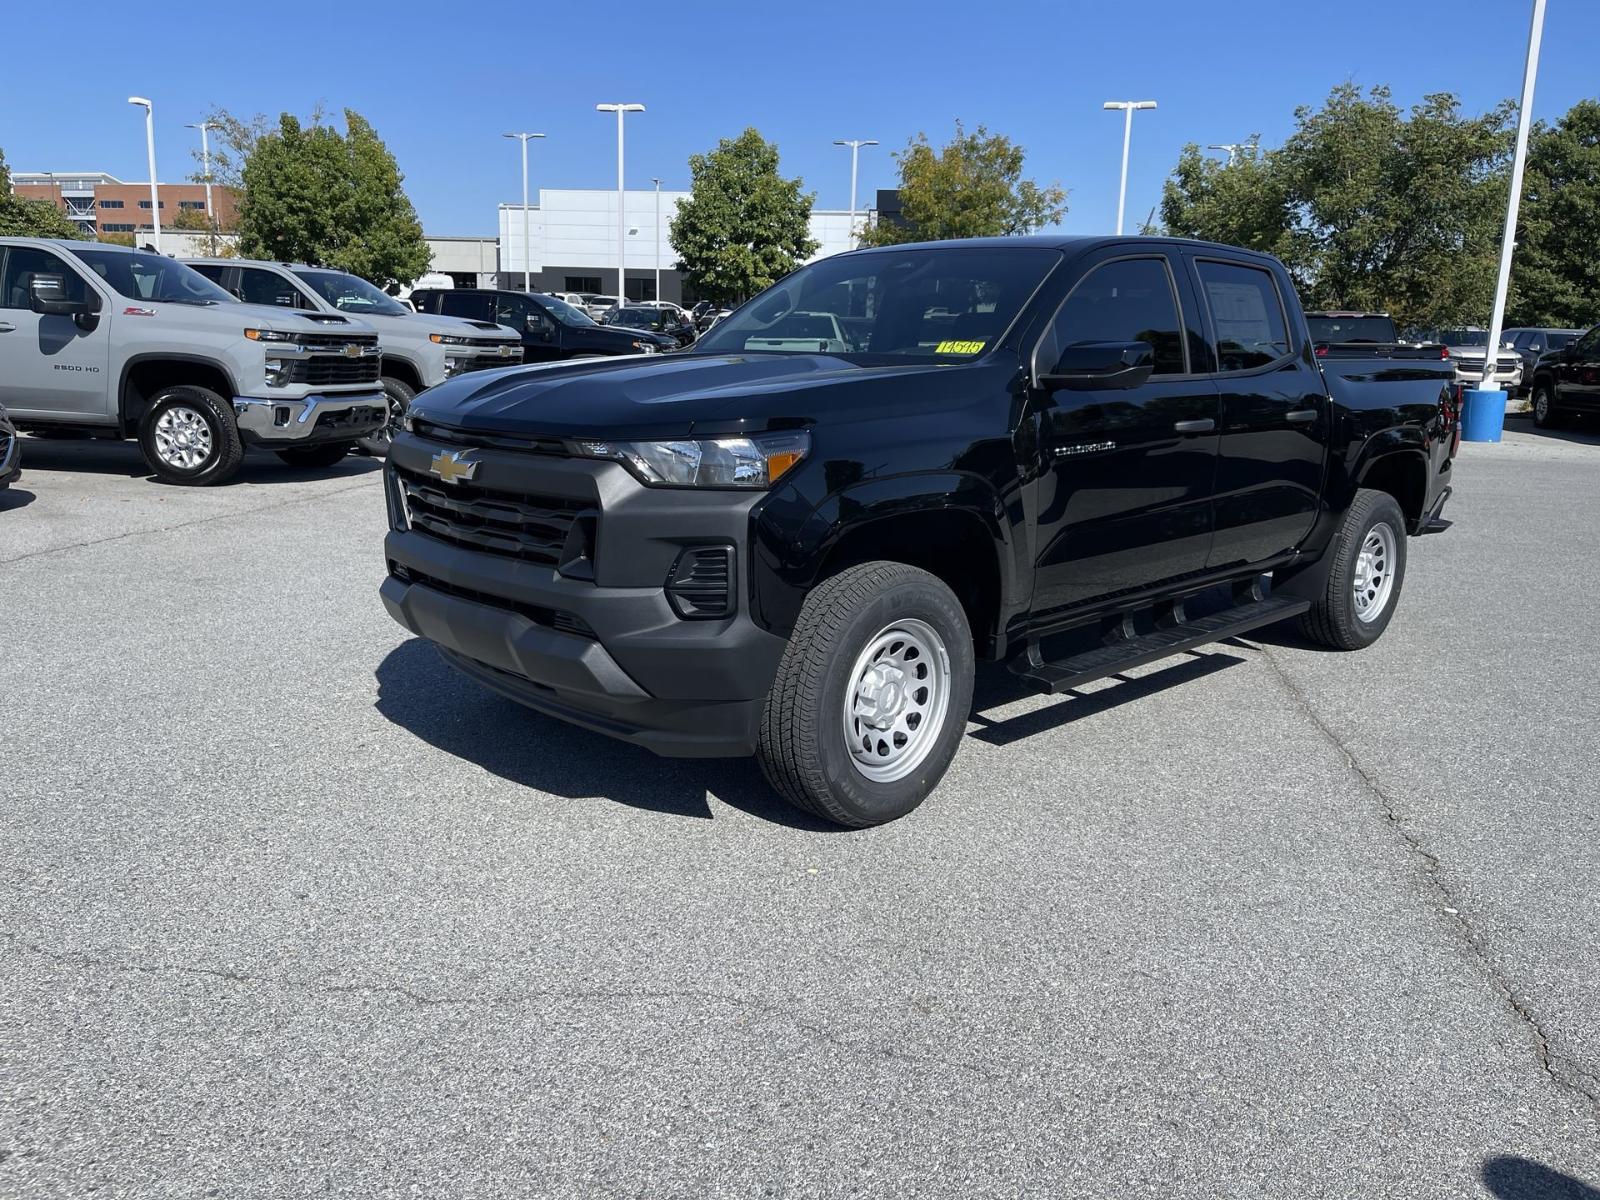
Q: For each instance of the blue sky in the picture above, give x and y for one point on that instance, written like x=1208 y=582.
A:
x=802 y=73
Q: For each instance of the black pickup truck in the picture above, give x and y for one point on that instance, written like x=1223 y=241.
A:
x=1043 y=452
x=551 y=329
x=1365 y=335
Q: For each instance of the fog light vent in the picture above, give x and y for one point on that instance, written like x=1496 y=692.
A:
x=701 y=586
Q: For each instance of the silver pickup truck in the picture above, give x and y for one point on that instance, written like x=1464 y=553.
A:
x=122 y=343
x=419 y=351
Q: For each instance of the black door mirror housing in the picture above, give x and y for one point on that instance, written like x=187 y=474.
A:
x=47 y=296
x=1095 y=366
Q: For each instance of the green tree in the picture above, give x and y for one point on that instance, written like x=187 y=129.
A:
x=971 y=188
x=1369 y=206
x=744 y=226
x=314 y=195
x=30 y=218
x=1553 y=280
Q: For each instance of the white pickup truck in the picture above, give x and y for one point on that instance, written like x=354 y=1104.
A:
x=419 y=350
x=120 y=343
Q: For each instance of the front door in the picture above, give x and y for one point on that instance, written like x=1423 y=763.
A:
x=1124 y=497
x=1275 y=417
x=1578 y=373
x=49 y=367
x=530 y=321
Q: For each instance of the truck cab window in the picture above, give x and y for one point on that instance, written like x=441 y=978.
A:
x=24 y=264
x=474 y=306
x=1247 y=313
x=264 y=287
x=1128 y=300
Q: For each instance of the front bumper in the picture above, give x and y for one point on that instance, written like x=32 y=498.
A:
x=1470 y=375
x=309 y=420
x=600 y=646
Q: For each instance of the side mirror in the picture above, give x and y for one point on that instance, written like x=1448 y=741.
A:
x=47 y=294
x=1094 y=366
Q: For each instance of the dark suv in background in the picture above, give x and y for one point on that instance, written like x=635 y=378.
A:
x=657 y=318
x=551 y=329
x=1531 y=345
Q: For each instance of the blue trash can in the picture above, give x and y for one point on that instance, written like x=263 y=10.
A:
x=1483 y=416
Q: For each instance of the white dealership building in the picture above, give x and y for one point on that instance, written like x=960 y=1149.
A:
x=570 y=244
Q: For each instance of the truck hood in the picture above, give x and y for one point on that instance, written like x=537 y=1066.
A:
x=417 y=326
x=269 y=316
x=663 y=396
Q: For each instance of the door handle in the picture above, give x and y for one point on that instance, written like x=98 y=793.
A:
x=7 y=327
x=1203 y=425
x=1301 y=416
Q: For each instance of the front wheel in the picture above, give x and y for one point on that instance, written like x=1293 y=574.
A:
x=326 y=454
x=189 y=436
x=1365 y=576
x=398 y=396
x=1545 y=413
x=871 y=696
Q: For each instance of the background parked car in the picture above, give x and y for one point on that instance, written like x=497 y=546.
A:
x=707 y=313
x=418 y=352
x=550 y=329
x=1468 y=348
x=657 y=318
x=10 y=452
x=1567 y=381
x=1531 y=344
x=597 y=305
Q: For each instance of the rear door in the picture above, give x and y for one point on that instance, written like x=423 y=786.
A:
x=1578 y=373
x=260 y=286
x=1126 y=474
x=1275 y=419
x=49 y=367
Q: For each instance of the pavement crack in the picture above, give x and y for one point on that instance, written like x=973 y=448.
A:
x=207 y=520
x=775 y=1013
x=1562 y=1070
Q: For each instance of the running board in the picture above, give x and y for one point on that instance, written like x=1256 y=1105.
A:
x=1054 y=678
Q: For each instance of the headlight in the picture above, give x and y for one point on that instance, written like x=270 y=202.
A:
x=268 y=335
x=446 y=339
x=731 y=462
x=645 y=347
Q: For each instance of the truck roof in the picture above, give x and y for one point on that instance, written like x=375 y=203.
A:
x=1071 y=242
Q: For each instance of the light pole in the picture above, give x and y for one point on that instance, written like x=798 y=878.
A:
x=855 y=159
x=1127 y=107
x=205 y=170
x=1508 y=239
x=621 y=110
x=657 y=182
x=1232 y=149
x=150 y=145
x=527 y=244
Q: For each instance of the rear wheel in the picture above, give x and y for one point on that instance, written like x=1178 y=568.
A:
x=398 y=396
x=326 y=454
x=189 y=436
x=1364 y=577
x=871 y=697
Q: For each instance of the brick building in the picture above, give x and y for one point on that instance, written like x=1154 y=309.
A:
x=101 y=203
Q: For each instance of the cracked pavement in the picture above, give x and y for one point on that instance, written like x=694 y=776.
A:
x=290 y=910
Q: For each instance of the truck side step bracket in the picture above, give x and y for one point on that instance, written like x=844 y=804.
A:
x=1054 y=678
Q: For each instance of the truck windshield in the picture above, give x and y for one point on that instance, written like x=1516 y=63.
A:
x=141 y=276
x=352 y=294
x=924 y=305
x=1463 y=337
x=563 y=312
x=1352 y=329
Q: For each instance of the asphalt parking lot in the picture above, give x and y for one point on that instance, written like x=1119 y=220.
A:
x=291 y=910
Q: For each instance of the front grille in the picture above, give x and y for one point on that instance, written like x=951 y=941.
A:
x=336 y=341
x=325 y=371
x=518 y=525
x=528 y=445
x=484 y=363
x=551 y=618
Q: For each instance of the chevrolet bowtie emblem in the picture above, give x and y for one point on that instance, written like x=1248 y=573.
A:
x=451 y=467
x=353 y=350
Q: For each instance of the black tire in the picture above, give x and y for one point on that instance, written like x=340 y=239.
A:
x=324 y=454
x=1545 y=413
x=221 y=457
x=399 y=396
x=1334 y=619
x=803 y=749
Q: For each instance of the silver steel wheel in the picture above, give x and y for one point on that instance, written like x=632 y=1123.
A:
x=1375 y=569
x=183 y=439
x=1541 y=405
x=898 y=698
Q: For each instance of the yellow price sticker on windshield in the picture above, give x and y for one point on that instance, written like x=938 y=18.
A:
x=958 y=347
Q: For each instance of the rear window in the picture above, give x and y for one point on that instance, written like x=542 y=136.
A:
x=1352 y=329
x=1247 y=315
